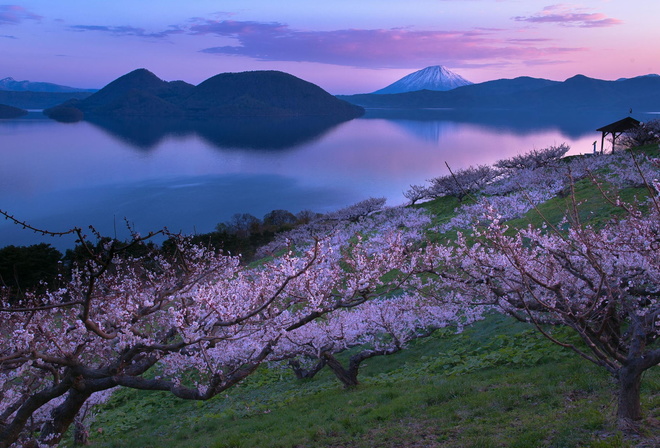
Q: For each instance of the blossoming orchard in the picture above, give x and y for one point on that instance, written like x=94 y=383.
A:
x=194 y=321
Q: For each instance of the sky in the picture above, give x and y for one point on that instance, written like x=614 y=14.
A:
x=345 y=46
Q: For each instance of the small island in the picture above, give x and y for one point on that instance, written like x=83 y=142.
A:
x=11 y=112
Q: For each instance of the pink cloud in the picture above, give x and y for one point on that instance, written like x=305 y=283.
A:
x=565 y=16
x=375 y=48
x=530 y=40
x=14 y=14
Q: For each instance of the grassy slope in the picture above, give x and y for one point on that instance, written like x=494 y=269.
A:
x=498 y=384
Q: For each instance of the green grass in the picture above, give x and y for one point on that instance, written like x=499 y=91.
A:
x=442 y=209
x=592 y=206
x=497 y=384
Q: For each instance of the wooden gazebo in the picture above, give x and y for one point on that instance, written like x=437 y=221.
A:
x=616 y=129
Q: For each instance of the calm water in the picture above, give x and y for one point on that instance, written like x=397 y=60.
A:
x=191 y=176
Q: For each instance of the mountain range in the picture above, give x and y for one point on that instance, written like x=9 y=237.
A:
x=270 y=93
x=10 y=84
x=435 y=77
x=140 y=93
x=524 y=93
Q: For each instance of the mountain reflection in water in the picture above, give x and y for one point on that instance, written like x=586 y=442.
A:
x=262 y=133
x=573 y=123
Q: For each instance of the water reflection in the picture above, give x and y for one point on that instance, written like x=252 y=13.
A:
x=262 y=133
x=190 y=176
x=573 y=123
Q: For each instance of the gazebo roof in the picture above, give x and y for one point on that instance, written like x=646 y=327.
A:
x=620 y=126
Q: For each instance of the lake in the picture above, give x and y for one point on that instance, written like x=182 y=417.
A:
x=190 y=176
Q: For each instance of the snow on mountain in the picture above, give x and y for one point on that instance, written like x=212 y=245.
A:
x=435 y=77
x=12 y=85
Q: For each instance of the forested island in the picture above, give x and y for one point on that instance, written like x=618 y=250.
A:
x=140 y=93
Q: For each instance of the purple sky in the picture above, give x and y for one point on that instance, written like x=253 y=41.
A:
x=345 y=46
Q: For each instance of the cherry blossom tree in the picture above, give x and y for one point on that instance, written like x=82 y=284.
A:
x=506 y=175
x=604 y=283
x=534 y=159
x=191 y=322
x=644 y=134
x=462 y=183
x=378 y=327
x=628 y=169
x=417 y=193
x=356 y=212
x=368 y=217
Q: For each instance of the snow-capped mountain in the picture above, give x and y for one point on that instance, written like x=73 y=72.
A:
x=436 y=77
x=12 y=85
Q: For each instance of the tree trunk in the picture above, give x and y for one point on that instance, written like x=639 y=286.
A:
x=301 y=373
x=12 y=432
x=629 y=411
x=62 y=417
x=347 y=377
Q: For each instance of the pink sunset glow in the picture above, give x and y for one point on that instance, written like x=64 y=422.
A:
x=344 y=46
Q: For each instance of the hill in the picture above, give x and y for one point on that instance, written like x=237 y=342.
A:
x=140 y=93
x=524 y=93
x=264 y=93
x=11 y=112
x=435 y=77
